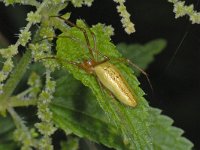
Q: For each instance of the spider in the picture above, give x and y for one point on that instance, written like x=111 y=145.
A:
x=106 y=73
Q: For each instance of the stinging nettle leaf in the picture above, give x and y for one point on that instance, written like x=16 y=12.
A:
x=67 y=97
x=71 y=144
x=142 y=55
x=165 y=136
x=131 y=121
x=6 y=135
x=83 y=117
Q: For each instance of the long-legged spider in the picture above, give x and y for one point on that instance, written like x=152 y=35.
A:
x=107 y=74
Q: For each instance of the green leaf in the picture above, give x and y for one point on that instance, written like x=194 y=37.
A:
x=71 y=144
x=142 y=55
x=85 y=118
x=165 y=136
x=7 y=146
x=6 y=125
x=86 y=126
x=6 y=137
x=132 y=122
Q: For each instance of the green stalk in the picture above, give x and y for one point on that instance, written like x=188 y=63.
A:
x=18 y=102
x=16 y=76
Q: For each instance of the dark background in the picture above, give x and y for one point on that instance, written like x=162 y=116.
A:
x=175 y=78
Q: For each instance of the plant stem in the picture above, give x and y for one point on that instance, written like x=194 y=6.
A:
x=17 y=120
x=19 y=123
x=16 y=76
x=18 y=102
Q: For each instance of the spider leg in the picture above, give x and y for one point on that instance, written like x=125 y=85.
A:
x=137 y=67
x=84 y=32
x=61 y=61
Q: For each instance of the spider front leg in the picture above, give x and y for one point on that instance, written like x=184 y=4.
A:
x=91 y=50
x=125 y=60
x=62 y=61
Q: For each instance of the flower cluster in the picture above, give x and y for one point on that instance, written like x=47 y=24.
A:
x=42 y=52
x=45 y=115
x=109 y=30
x=23 y=136
x=24 y=37
x=33 y=17
x=35 y=84
x=24 y=2
x=7 y=68
x=180 y=9
x=80 y=3
x=126 y=22
x=7 y=53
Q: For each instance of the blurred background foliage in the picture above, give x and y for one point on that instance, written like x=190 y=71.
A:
x=175 y=78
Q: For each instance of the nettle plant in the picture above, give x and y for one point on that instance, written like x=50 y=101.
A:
x=54 y=85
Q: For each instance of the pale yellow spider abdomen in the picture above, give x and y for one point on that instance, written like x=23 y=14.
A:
x=111 y=78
